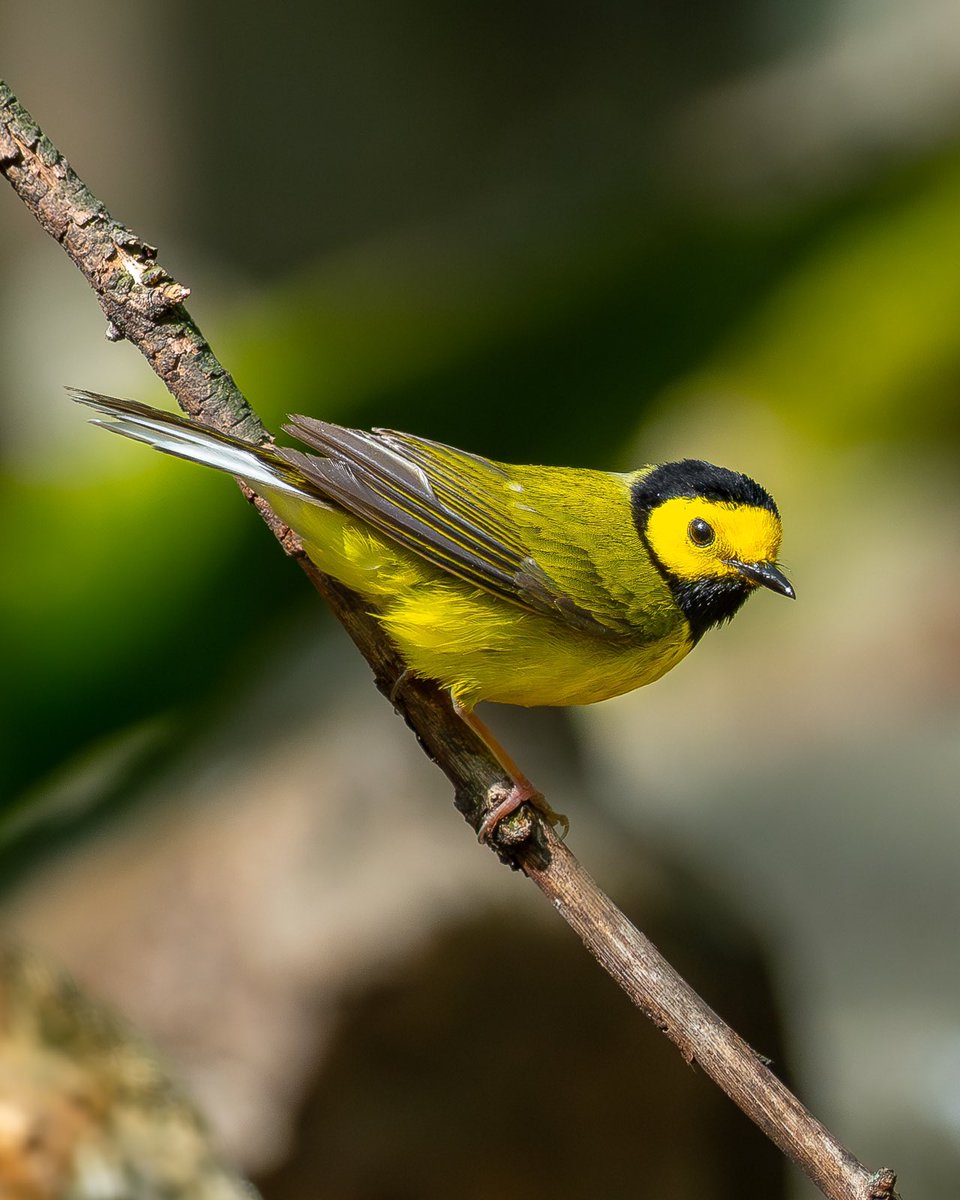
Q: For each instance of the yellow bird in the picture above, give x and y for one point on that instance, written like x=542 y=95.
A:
x=517 y=584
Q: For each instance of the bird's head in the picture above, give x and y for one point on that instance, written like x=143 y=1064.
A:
x=712 y=533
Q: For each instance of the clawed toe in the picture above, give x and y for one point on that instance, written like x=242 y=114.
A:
x=504 y=801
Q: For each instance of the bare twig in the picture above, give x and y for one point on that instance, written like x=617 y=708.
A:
x=144 y=304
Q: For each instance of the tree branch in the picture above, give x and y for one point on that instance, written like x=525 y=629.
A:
x=144 y=304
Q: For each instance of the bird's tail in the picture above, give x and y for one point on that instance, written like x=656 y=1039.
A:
x=174 y=434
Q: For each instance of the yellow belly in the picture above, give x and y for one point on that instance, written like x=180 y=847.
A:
x=479 y=646
x=483 y=648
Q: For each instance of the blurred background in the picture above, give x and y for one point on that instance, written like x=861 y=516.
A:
x=543 y=233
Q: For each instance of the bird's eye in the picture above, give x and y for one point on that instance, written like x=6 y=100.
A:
x=701 y=534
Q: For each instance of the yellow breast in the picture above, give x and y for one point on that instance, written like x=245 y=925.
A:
x=478 y=645
x=483 y=649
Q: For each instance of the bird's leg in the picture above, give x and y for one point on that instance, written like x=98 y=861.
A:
x=505 y=801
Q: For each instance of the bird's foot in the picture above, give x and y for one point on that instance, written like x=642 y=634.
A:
x=504 y=801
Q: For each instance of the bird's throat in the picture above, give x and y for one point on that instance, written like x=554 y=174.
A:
x=708 y=602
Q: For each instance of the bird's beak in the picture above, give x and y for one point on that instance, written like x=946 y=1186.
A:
x=767 y=575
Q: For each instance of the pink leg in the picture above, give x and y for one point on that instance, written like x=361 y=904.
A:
x=505 y=801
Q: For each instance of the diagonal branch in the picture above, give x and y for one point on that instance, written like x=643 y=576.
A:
x=144 y=304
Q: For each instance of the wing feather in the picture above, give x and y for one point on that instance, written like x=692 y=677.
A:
x=454 y=509
x=547 y=539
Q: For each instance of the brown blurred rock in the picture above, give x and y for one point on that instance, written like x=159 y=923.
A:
x=500 y=1062
x=86 y=1112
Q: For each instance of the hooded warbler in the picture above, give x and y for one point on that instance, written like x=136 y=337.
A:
x=517 y=584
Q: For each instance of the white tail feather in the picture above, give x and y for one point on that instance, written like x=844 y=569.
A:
x=172 y=434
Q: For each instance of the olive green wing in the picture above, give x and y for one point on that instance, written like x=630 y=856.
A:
x=463 y=513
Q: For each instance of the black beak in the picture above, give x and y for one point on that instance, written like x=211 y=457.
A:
x=767 y=575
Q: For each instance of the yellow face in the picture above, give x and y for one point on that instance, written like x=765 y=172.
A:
x=703 y=539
